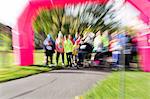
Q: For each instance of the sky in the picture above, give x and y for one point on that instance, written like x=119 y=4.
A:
x=11 y=9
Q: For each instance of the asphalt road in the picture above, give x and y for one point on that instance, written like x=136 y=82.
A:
x=57 y=84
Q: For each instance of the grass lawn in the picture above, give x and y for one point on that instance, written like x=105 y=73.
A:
x=9 y=71
x=15 y=72
x=136 y=86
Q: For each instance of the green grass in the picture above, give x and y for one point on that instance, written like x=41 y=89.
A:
x=136 y=86
x=39 y=58
x=15 y=72
x=9 y=71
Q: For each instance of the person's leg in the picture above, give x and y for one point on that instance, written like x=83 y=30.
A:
x=80 y=56
x=71 y=58
x=62 y=54
x=133 y=57
x=46 y=58
x=51 y=58
x=119 y=59
x=57 y=57
x=127 y=60
x=67 y=55
x=114 y=57
x=76 y=58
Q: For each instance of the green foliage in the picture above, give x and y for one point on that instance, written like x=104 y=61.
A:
x=5 y=41
x=74 y=18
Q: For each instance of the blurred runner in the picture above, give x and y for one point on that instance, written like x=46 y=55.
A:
x=49 y=47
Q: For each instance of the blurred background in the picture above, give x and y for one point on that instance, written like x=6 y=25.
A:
x=121 y=16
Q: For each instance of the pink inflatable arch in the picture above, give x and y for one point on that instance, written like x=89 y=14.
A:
x=23 y=35
x=143 y=39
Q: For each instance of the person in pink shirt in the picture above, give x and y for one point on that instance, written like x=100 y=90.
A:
x=59 y=44
x=70 y=37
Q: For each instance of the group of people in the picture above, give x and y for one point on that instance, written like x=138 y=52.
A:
x=62 y=45
x=117 y=43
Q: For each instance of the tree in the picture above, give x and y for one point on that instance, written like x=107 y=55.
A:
x=75 y=18
x=5 y=37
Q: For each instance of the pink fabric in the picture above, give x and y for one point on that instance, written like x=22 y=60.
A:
x=72 y=40
x=97 y=62
x=144 y=18
x=141 y=5
x=58 y=47
x=78 y=41
x=144 y=58
x=143 y=45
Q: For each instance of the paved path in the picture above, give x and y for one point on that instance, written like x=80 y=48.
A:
x=57 y=84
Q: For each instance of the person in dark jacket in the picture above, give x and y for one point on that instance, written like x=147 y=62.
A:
x=49 y=47
x=128 y=50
